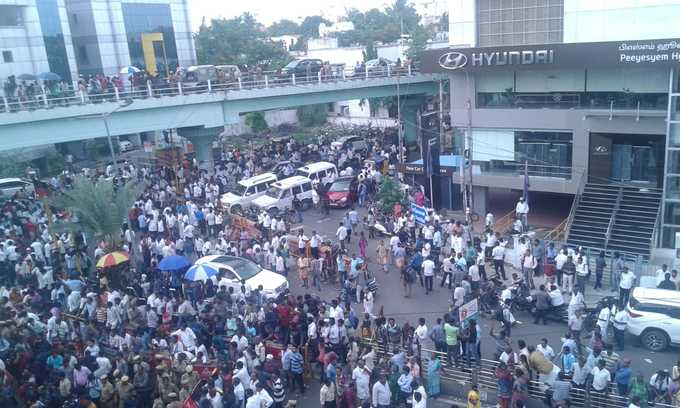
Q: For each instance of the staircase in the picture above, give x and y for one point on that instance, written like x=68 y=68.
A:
x=615 y=218
x=592 y=216
x=635 y=221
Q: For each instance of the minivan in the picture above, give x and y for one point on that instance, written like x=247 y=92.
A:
x=280 y=195
x=323 y=172
x=245 y=191
x=654 y=317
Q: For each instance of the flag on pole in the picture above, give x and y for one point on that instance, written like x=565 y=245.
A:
x=526 y=182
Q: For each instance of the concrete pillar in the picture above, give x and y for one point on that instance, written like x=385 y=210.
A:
x=409 y=116
x=202 y=138
x=480 y=200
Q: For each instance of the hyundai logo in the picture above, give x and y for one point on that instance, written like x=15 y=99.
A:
x=601 y=149
x=453 y=60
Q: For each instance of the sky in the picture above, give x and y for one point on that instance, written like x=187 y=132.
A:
x=269 y=11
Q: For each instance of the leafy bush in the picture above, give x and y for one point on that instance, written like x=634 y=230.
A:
x=256 y=122
x=312 y=115
x=389 y=193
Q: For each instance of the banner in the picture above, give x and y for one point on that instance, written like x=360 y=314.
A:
x=467 y=312
x=419 y=213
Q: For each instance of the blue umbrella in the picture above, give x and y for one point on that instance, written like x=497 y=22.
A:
x=49 y=76
x=200 y=273
x=174 y=263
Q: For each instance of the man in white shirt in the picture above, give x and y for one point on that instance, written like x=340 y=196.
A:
x=361 y=377
x=381 y=394
x=627 y=281
x=661 y=274
x=522 y=210
x=545 y=349
x=498 y=255
x=601 y=377
x=186 y=336
x=341 y=235
x=620 y=322
x=428 y=272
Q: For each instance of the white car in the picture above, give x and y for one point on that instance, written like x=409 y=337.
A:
x=357 y=143
x=125 y=146
x=233 y=270
x=654 y=317
x=10 y=186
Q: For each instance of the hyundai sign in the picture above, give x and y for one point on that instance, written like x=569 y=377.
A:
x=651 y=53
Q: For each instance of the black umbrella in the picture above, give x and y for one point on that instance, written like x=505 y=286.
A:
x=27 y=77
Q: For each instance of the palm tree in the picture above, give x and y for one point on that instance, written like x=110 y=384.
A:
x=100 y=208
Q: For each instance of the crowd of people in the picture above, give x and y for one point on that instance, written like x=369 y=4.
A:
x=70 y=336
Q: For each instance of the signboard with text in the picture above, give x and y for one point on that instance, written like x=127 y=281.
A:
x=642 y=53
x=467 y=312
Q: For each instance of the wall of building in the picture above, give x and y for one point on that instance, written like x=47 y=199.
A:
x=274 y=118
x=620 y=20
x=463 y=23
x=22 y=43
x=579 y=122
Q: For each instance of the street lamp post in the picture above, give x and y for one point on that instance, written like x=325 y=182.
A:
x=105 y=118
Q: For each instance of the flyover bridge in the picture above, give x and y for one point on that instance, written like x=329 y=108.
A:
x=199 y=113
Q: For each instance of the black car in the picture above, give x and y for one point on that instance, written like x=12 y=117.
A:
x=302 y=68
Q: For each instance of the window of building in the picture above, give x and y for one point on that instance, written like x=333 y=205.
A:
x=519 y=22
x=53 y=36
x=82 y=55
x=11 y=16
x=7 y=56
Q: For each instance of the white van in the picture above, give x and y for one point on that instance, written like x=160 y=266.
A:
x=246 y=191
x=280 y=194
x=323 y=172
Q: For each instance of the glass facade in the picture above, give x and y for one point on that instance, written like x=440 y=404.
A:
x=518 y=22
x=499 y=151
x=627 y=88
x=11 y=16
x=53 y=35
x=141 y=18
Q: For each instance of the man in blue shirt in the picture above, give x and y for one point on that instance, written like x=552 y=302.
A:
x=296 y=368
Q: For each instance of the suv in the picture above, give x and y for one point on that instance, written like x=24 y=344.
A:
x=654 y=317
x=280 y=195
x=304 y=67
x=356 y=143
x=246 y=191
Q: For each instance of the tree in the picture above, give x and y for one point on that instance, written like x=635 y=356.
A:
x=256 y=122
x=100 y=208
x=389 y=193
x=241 y=41
x=13 y=165
x=312 y=115
x=380 y=26
x=310 y=26
x=283 y=27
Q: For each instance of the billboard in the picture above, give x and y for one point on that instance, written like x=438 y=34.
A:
x=652 y=53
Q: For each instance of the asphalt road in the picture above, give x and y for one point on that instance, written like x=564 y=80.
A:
x=390 y=296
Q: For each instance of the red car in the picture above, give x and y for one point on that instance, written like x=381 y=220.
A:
x=342 y=192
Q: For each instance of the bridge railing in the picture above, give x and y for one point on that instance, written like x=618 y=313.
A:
x=75 y=95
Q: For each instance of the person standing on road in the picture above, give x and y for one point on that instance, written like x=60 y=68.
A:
x=381 y=394
x=542 y=304
x=498 y=254
x=428 y=272
x=383 y=255
x=627 y=282
x=620 y=322
x=600 y=264
x=568 y=272
x=616 y=271
x=341 y=234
